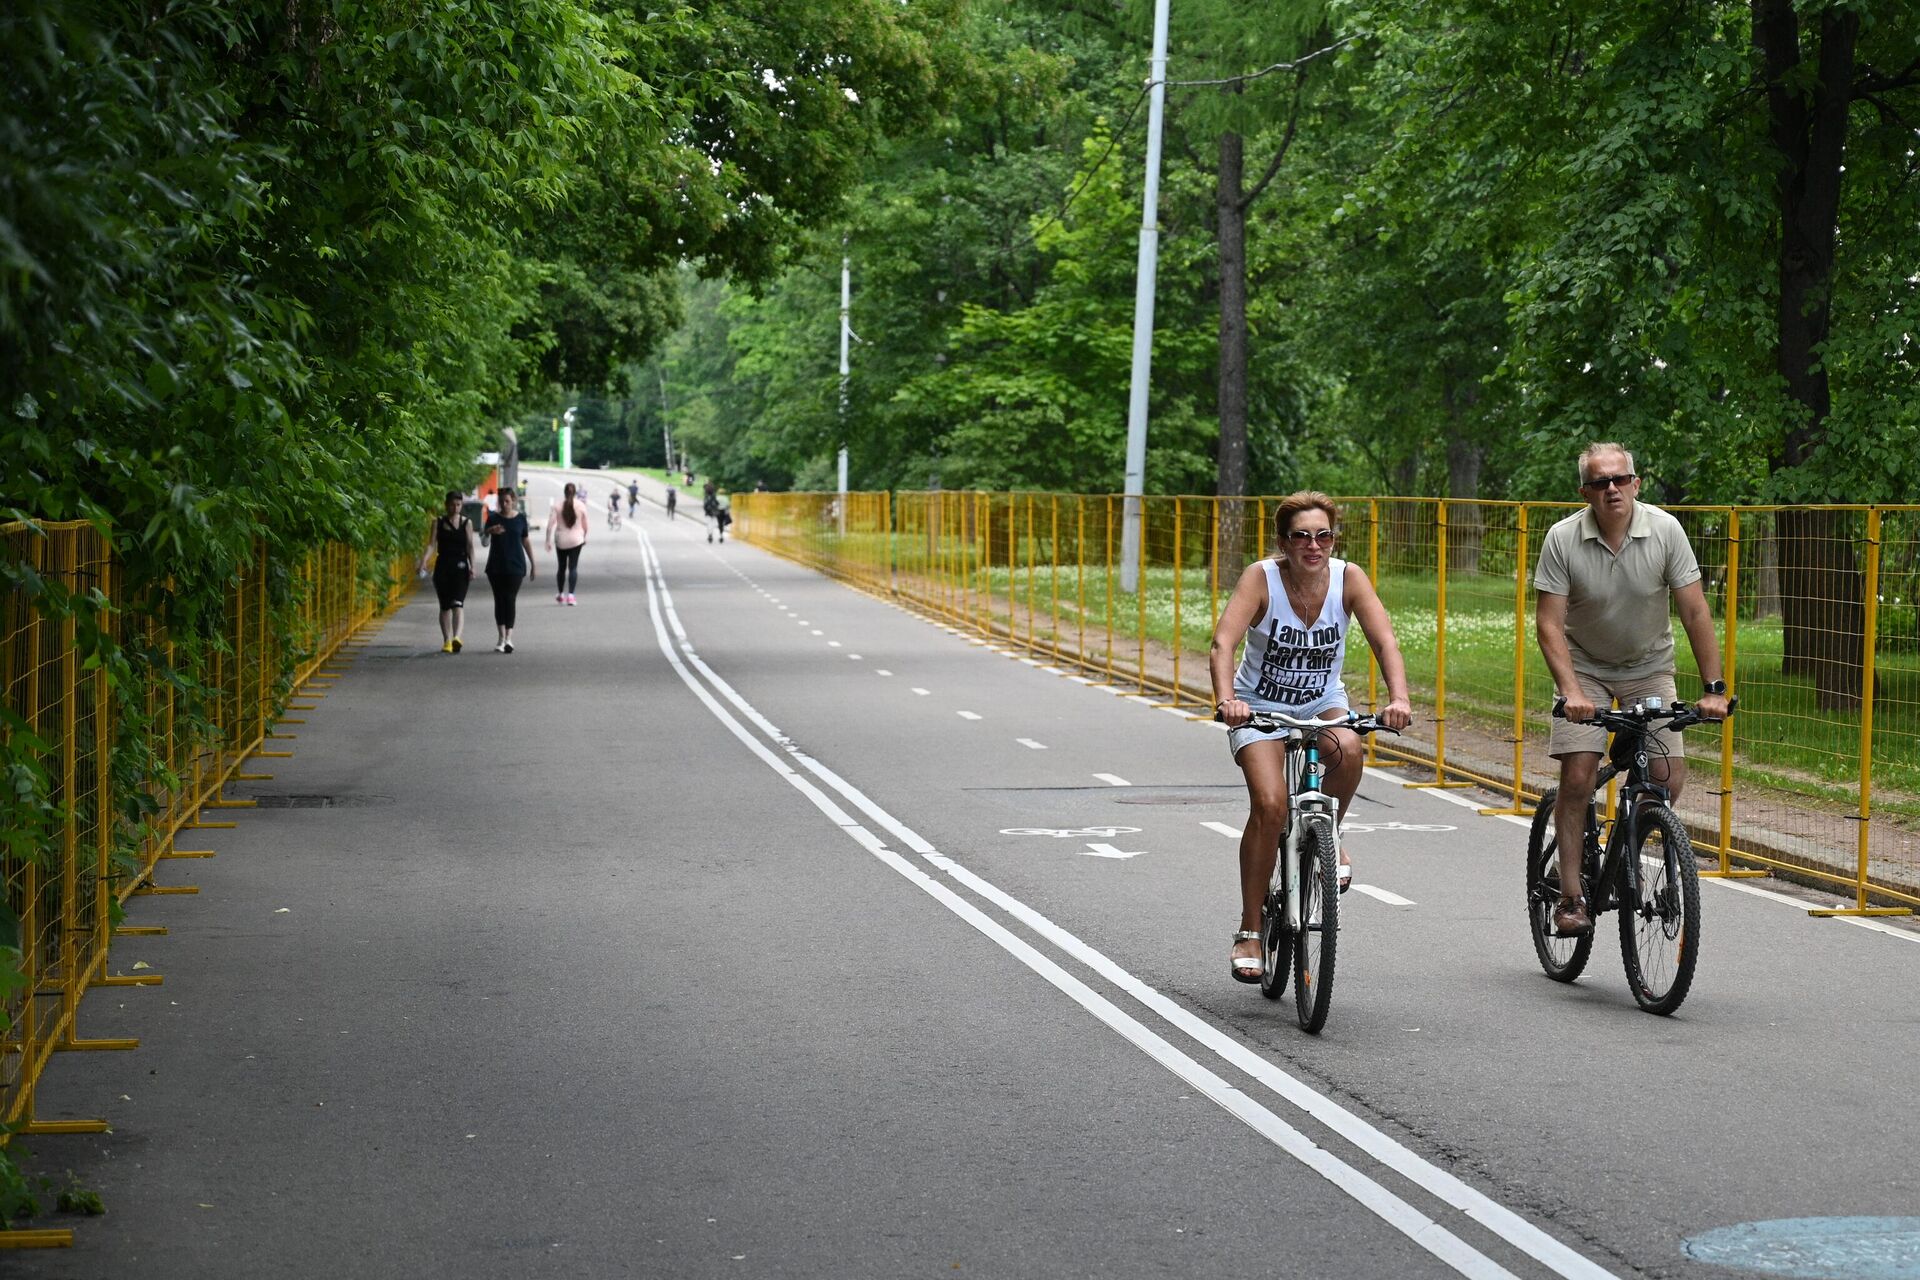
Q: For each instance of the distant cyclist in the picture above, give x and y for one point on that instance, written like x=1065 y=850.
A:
x=613 y=509
x=1293 y=612
x=1604 y=580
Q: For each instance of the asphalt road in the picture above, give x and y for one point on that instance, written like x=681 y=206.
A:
x=741 y=924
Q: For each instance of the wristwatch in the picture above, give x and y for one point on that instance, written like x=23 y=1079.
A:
x=1713 y=686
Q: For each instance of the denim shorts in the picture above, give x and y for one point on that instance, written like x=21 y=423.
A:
x=1238 y=738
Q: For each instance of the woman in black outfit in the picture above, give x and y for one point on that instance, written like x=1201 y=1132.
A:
x=452 y=569
x=509 y=562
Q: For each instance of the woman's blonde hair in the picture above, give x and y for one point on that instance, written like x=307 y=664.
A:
x=1293 y=504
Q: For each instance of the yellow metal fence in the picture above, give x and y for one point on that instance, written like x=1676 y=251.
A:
x=62 y=725
x=1817 y=774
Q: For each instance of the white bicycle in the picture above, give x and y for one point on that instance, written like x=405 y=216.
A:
x=1300 y=919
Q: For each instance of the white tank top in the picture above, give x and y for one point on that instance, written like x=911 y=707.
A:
x=1290 y=665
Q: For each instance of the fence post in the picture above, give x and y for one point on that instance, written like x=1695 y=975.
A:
x=1080 y=573
x=1440 y=655
x=1870 y=625
x=1519 y=661
x=1140 y=599
x=1373 y=576
x=1729 y=653
x=1109 y=591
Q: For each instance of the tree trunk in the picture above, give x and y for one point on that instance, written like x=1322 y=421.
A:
x=1231 y=475
x=1822 y=595
x=1820 y=587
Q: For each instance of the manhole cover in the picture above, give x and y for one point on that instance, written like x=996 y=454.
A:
x=1816 y=1248
x=309 y=801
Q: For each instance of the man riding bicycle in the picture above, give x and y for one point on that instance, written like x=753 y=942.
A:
x=1604 y=581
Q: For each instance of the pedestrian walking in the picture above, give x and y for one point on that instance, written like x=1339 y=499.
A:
x=673 y=500
x=509 y=563
x=452 y=549
x=633 y=495
x=567 y=535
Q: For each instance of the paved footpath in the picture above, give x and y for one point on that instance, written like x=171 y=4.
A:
x=709 y=935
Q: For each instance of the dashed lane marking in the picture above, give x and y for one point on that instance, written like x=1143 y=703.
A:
x=1030 y=743
x=1113 y=779
x=967 y=715
x=1391 y=899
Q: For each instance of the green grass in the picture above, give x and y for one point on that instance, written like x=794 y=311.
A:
x=1781 y=735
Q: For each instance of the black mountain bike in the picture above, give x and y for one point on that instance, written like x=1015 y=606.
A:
x=1647 y=872
x=1300 y=919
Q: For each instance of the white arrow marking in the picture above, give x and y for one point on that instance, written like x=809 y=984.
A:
x=1108 y=851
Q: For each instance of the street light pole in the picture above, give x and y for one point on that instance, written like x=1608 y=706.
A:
x=1130 y=556
x=846 y=334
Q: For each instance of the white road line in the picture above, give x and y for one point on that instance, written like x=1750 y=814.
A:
x=882 y=671
x=922 y=692
x=1232 y=833
x=1391 y=899
x=1029 y=742
x=817 y=631
x=1390 y=1208
x=831 y=644
x=1113 y=779
x=967 y=715
x=854 y=657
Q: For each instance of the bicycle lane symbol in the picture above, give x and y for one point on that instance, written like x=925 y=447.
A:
x=1094 y=849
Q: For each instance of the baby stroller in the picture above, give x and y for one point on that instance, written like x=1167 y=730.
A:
x=720 y=513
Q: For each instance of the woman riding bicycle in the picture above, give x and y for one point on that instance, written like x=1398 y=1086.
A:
x=1293 y=612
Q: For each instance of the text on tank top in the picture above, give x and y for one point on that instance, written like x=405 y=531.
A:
x=1290 y=662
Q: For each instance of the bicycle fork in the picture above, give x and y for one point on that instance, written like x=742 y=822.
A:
x=1310 y=808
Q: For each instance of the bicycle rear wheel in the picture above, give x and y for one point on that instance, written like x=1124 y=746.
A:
x=1319 y=934
x=1563 y=958
x=1660 y=933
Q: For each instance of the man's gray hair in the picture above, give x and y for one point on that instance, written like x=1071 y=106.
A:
x=1602 y=446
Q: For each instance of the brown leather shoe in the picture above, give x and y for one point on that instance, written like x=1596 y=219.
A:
x=1570 y=918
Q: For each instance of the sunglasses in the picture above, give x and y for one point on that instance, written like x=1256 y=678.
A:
x=1599 y=483
x=1302 y=537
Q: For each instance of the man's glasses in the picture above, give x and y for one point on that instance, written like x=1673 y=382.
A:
x=1600 y=483
x=1301 y=537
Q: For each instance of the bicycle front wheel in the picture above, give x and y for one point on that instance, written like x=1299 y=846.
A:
x=1660 y=933
x=1276 y=946
x=1319 y=934
x=1562 y=958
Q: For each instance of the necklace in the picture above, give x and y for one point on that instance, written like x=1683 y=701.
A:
x=1295 y=599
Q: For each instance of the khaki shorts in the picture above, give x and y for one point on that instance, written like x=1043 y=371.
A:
x=1570 y=739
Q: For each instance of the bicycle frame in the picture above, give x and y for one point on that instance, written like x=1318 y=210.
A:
x=1616 y=877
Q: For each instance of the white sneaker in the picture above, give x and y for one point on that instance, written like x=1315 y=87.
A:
x=560 y=598
x=570 y=599
x=501 y=647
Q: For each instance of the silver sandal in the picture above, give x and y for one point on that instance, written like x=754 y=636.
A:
x=1238 y=965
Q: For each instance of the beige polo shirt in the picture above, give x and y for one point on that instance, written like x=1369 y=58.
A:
x=1619 y=618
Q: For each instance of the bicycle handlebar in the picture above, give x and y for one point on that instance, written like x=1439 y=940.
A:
x=1680 y=715
x=1270 y=720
